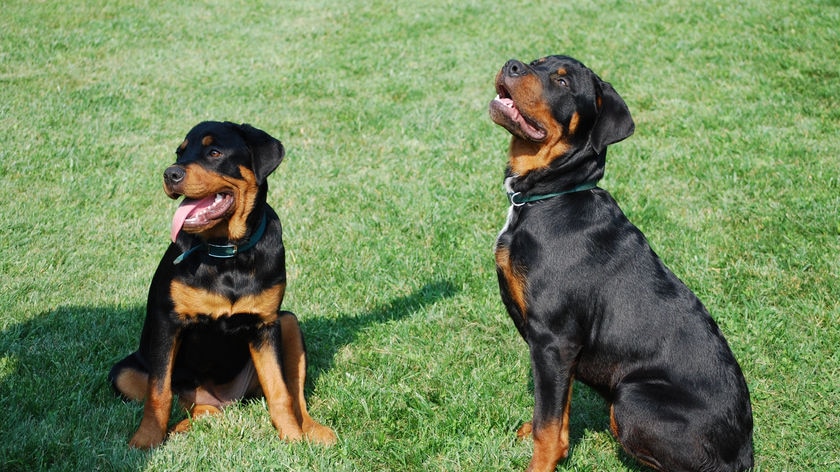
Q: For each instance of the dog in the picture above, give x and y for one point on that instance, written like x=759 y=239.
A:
x=590 y=297
x=214 y=332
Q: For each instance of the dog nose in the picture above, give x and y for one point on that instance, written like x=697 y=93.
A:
x=174 y=174
x=514 y=68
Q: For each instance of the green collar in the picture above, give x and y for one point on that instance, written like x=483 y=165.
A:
x=226 y=251
x=517 y=199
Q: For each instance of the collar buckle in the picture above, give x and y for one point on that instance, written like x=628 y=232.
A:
x=516 y=199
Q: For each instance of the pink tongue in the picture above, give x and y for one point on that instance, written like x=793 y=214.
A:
x=187 y=208
x=184 y=209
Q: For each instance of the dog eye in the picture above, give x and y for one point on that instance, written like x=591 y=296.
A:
x=214 y=153
x=561 y=81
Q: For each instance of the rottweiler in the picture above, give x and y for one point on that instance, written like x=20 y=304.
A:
x=590 y=297
x=214 y=332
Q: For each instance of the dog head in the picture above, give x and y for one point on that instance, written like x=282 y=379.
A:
x=558 y=112
x=221 y=171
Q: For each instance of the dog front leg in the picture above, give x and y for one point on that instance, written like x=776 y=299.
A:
x=553 y=378
x=294 y=373
x=158 y=403
x=265 y=351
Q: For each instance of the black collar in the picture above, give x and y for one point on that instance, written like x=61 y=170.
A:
x=517 y=199
x=226 y=251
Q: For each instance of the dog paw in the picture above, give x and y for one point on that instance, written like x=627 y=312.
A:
x=146 y=438
x=524 y=431
x=181 y=427
x=195 y=412
x=290 y=433
x=320 y=434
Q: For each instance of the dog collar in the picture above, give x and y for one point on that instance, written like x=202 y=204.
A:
x=517 y=199
x=226 y=251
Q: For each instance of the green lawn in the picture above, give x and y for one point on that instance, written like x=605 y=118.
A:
x=391 y=199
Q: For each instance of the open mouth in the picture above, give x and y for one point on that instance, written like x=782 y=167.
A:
x=503 y=112
x=196 y=214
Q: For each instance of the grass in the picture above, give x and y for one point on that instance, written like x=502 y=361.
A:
x=391 y=199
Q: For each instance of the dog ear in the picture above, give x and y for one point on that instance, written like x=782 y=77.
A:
x=614 y=122
x=266 y=151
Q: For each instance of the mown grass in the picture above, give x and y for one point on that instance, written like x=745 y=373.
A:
x=391 y=199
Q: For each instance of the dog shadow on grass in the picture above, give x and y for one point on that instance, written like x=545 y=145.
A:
x=326 y=336
x=58 y=408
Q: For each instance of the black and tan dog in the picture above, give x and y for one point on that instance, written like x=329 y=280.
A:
x=590 y=297
x=214 y=332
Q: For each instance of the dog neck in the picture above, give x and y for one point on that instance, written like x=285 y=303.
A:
x=568 y=173
x=517 y=199
x=226 y=251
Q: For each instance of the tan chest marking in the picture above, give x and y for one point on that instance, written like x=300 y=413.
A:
x=191 y=302
x=515 y=279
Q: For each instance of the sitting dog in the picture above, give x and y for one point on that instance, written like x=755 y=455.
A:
x=214 y=332
x=590 y=297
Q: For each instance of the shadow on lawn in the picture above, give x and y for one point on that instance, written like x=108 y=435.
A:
x=325 y=336
x=59 y=410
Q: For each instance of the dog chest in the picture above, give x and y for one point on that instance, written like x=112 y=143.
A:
x=193 y=302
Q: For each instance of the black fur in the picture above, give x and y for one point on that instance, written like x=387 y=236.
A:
x=600 y=306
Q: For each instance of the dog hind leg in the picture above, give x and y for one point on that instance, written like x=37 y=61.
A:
x=130 y=378
x=652 y=432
